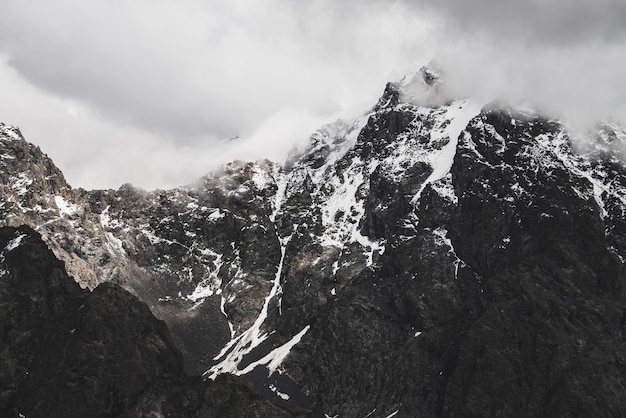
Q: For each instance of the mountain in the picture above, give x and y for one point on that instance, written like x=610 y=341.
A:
x=435 y=257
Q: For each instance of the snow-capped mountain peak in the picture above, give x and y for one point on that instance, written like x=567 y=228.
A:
x=416 y=260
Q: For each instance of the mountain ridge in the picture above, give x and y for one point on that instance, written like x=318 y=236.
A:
x=376 y=260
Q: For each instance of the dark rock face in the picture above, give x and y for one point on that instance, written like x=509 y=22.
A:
x=430 y=259
x=502 y=298
x=67 y=352
x=552 y=287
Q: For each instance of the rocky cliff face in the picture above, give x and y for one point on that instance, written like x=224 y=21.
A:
x=436 y=257
x=68 y=352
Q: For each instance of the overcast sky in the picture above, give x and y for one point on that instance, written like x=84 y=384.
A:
x=151 y=91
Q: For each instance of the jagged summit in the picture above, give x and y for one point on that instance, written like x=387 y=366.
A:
x=10 y=132
x=431 y=74
x=434 y=257
x=426 y=88
x=33 y=167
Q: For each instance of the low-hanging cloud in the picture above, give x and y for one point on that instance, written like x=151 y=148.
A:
x=187 y=67
x=567 y=57
x=191 y=74
x=92 y=151
x=157 y=87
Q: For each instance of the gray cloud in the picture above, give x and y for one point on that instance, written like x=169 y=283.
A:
x=567 y=57
x=189 y=74
x=558 y=22
x=147 y=91
x=187 y=68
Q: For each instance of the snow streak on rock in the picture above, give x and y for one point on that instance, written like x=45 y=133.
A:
x=13 y=244
x=275 y=358
x=459 y=114
x=242 y=345
x=212 y=283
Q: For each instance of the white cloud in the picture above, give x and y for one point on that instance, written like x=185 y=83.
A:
x=178 y=75
x=581 y=83
x=92 y=151
x=568 y=57
x=190 y=67
x=148 y=91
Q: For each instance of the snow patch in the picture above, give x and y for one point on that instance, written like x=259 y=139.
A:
x=14 y=243
x=66 y=209
x=215 y=215
x=10 y=132
x=230 y=326
x=278 y=393
x=114 y=244
x=559 y=147
x=276 y=357
x=20 y=184
x=11 y=245
x=261 y=178
x=441 y=238
x=210 y=285
x=279 y=197
x=459 y=117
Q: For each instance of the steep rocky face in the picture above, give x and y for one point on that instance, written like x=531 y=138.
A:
x=436 y=257
x=550 y=313
x=67 y=352
x=36 y=193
